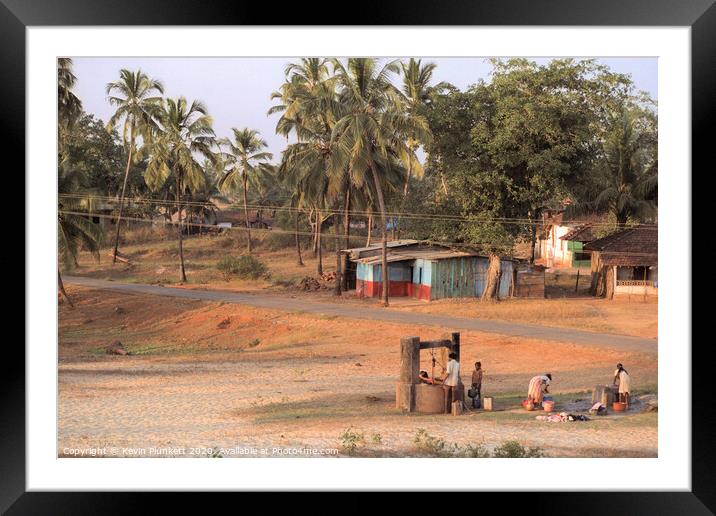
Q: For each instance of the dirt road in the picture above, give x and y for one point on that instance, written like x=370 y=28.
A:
x=285 y=303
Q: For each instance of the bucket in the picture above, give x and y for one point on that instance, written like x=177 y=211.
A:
x=619 y=406
x=548 y=405
x=528 y=405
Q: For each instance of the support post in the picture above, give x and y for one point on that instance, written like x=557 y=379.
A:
x=409 y=366
x=455 y=337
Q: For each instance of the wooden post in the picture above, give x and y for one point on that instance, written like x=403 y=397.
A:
x=409 y=366
x=455 y=337
x=576 y=286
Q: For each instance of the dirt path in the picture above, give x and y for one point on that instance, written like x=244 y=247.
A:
x=532 y=331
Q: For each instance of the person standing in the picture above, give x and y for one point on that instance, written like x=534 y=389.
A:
x=622 y=378
x=451 y=381
x=537 y=387
x=476 y=385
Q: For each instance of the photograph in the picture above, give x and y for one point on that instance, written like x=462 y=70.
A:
x=353 y=256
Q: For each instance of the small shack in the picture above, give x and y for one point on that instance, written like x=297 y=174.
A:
x=529 y=280
x=625 y=263
x=575 y=240
x=425 y=272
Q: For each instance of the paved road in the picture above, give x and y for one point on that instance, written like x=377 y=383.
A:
x=274 y=302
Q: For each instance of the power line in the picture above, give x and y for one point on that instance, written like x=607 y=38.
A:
x=304 y=233
x=366 y=213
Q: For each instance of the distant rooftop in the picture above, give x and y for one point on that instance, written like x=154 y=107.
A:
x=631 y=247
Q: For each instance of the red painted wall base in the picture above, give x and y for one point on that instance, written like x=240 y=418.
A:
x=397 y=289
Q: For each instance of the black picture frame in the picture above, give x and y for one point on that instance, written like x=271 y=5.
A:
x=700 y=15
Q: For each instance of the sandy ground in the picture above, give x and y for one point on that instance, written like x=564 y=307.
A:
x=268 y=379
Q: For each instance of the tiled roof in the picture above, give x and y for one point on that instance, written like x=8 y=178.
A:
x=634 y=246
x=581 y=233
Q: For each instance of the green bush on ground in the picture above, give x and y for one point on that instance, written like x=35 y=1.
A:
x=244 y=267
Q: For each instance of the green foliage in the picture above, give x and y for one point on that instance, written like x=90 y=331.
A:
x=75 y=231
x=433 y=446
x=513 y=449
x=97 y=153
x=244 y=267
x=350 y=440
x=475 y=451
x=519 y=144
x=376 y=438
x=276 y=241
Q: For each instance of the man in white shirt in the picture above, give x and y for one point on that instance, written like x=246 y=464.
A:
x=451 y=381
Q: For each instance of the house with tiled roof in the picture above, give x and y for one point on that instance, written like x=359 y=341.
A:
x=625 y=263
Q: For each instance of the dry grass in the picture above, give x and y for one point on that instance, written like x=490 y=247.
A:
x=155 y=261
x=607 y=316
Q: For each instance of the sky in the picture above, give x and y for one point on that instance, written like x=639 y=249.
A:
x=237 y=91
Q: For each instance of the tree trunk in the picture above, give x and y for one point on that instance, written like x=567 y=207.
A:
x=246 y=213
x=384 y=235
x=370 y=230
x=314 y=227
x=299 y=260
x=442 y=180
x=494 y=271
x=339 y=257
x=347 y=237
x=182 y=272
x=406 y=188
x=533 y=241
x=62 y=288
x=319 y=267
x=121 y=206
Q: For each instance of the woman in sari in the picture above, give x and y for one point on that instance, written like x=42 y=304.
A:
x=624 y=380
x=537 y=388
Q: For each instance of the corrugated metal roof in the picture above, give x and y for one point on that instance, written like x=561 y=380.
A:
x=424 y=254
x=392 y=243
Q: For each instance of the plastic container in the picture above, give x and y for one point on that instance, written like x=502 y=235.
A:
x=528 y=404
x=548 y=405
x=619 y=406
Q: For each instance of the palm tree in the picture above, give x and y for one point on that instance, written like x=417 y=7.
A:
x=138 y=106
x=303 y=166
x=247 y=161
x=416 y=92
x=74 y=229
x=185 y=131
x=629 y=179
x=372 y=133
x=69 y=106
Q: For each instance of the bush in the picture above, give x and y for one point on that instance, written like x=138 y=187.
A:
x=244 y=267
x=433 y=446
x=477 y=451
x=350 y=441
x=142 y=234
x=514 y=450
x=277 y=241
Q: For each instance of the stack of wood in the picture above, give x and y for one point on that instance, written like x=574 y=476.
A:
x=309 y=284
x=328 y=276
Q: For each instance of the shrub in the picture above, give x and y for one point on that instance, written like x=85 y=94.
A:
x=276 y=241
x=376 y=438
x=513 y=449
x=477 y=451
x=143 y=234
x=350 y=441
x=433 y=446
x=245 y=267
